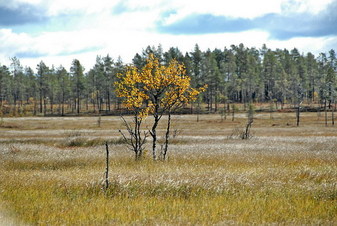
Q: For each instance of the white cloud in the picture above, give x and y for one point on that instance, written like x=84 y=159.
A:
x=302 y=6
x=304 y=45
x=49 y=45
x=33 y=2
x=13 y=4
x=238 y=8
x=126 y=43
x=244 y=8
x=13 y=43
x=52 y=43
x=56 y=7
x=100 y=32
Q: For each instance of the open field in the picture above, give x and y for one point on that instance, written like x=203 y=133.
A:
x=52 y=172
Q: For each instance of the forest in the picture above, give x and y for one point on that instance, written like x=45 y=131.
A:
x=238 y=74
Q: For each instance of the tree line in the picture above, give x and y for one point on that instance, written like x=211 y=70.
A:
x=237 y=74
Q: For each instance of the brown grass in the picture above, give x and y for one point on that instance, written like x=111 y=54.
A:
x=283 y=175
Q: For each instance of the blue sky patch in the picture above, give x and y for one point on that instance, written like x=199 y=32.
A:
x=206 y=23
x=24 y=14
x=280 y=27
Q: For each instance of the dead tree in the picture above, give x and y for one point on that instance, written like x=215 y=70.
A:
x=135 y=139
x=233 y=112
x=107 y=166
x=246 y=133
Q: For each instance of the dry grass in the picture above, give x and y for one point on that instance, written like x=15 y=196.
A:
x=284 y=175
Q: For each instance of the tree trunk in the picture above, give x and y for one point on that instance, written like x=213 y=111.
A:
x=136 y=133
x=167 y=135
x=246 y=134
x=211 y=101
x=215 y=102
x=78 y=105
x=224 y=111
x=41 y=100
x=154 y=141
x=100 y=104
x=51 y=105
x=87 y=103
x=298 y=116
x=62 y=105
x=233 y=112
x=107 y=166
x=326 y=113
x=44 y=106
x=94 y=105
x=228 y=109
x=333 y=113
x=198 y=111
x=109 y=102
x=153 y=133
x=97 y=100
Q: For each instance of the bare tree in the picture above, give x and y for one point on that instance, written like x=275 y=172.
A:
x=107 y=166
x=246 y=133
x=134 y=138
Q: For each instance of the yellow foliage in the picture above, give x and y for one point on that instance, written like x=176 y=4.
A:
x=155 y=86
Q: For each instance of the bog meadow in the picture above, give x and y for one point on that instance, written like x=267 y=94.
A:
x=209 y=138
x=52 y=172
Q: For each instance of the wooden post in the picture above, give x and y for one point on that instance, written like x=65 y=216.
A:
x=107 y=166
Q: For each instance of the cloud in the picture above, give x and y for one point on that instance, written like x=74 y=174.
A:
x=305 y=6
x=280 y=26
x=22 y=14
x=206 y=23
x=29 y=54
x=57 y=31
x=57 y=7
x=120 y=8
x=299 y=25
x=48 y=44
x=37 y=54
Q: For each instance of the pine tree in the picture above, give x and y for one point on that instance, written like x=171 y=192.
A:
x=42 y=76
x=63 y=88
x=78 y=87
x=5 y=88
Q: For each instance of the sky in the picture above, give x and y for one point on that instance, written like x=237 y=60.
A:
x=58 y=31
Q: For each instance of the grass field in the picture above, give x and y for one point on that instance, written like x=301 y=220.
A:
x=52 y=173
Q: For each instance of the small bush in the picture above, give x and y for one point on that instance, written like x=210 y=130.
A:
x=239 y=133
